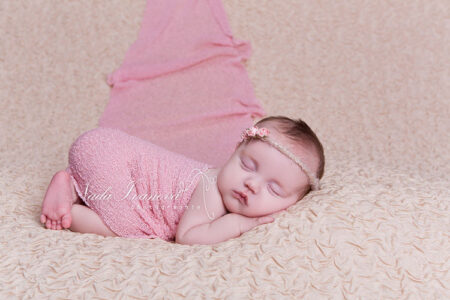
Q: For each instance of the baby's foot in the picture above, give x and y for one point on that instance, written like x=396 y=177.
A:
x=58 y=202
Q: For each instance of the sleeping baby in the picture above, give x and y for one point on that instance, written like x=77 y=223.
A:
x=120 y=185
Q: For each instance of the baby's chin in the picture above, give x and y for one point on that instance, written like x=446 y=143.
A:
x=229 y=207
x=233 y=206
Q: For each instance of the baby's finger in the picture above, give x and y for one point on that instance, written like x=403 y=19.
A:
x=266 y=219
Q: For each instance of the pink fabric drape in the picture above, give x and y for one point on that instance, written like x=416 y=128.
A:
x=182 y=84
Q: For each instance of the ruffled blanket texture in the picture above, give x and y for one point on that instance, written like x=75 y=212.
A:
x=370 y=78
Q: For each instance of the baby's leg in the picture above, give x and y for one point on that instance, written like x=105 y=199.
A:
x=85 y=220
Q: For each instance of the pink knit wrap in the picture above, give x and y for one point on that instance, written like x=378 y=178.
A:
x=140 y=190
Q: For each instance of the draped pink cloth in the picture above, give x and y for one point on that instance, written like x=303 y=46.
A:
x=182 y=84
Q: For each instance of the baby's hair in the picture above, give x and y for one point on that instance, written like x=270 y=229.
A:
x=301 y=134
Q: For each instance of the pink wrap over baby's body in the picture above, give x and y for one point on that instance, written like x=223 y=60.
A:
x=139 y=189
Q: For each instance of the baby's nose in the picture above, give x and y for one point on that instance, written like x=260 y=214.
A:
x=253 y=185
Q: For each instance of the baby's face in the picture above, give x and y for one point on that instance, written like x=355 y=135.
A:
x=271 y=180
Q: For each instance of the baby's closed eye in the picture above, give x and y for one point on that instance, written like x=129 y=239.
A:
x=246 y=164
x=275 y=189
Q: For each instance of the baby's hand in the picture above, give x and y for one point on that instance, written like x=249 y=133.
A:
x=247 y=223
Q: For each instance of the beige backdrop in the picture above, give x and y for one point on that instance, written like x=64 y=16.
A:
x=372 y=78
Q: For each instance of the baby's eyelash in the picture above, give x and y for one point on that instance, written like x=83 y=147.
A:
x=244 y=164
x=273 y=190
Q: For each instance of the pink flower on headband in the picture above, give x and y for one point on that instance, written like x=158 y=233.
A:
x=254 y=131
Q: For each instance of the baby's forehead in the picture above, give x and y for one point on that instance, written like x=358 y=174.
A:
x=298 y=148
x=261 y=148
x=276 y=164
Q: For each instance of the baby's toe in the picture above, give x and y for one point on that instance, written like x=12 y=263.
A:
x=48 y=223
x=66 y=220
x=43 y=218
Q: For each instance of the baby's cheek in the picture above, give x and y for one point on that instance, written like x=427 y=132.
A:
x=224 y=179
x=220 y=182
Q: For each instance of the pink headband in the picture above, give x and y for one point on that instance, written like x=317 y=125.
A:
x=262 y=134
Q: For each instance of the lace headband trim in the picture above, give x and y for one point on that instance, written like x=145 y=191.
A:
x=262 y=134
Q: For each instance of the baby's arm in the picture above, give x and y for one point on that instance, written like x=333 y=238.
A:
x=221 y=229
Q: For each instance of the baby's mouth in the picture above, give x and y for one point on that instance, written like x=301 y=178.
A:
x=241 y=197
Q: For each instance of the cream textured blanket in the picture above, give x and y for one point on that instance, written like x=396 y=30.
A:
x=371 y=78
